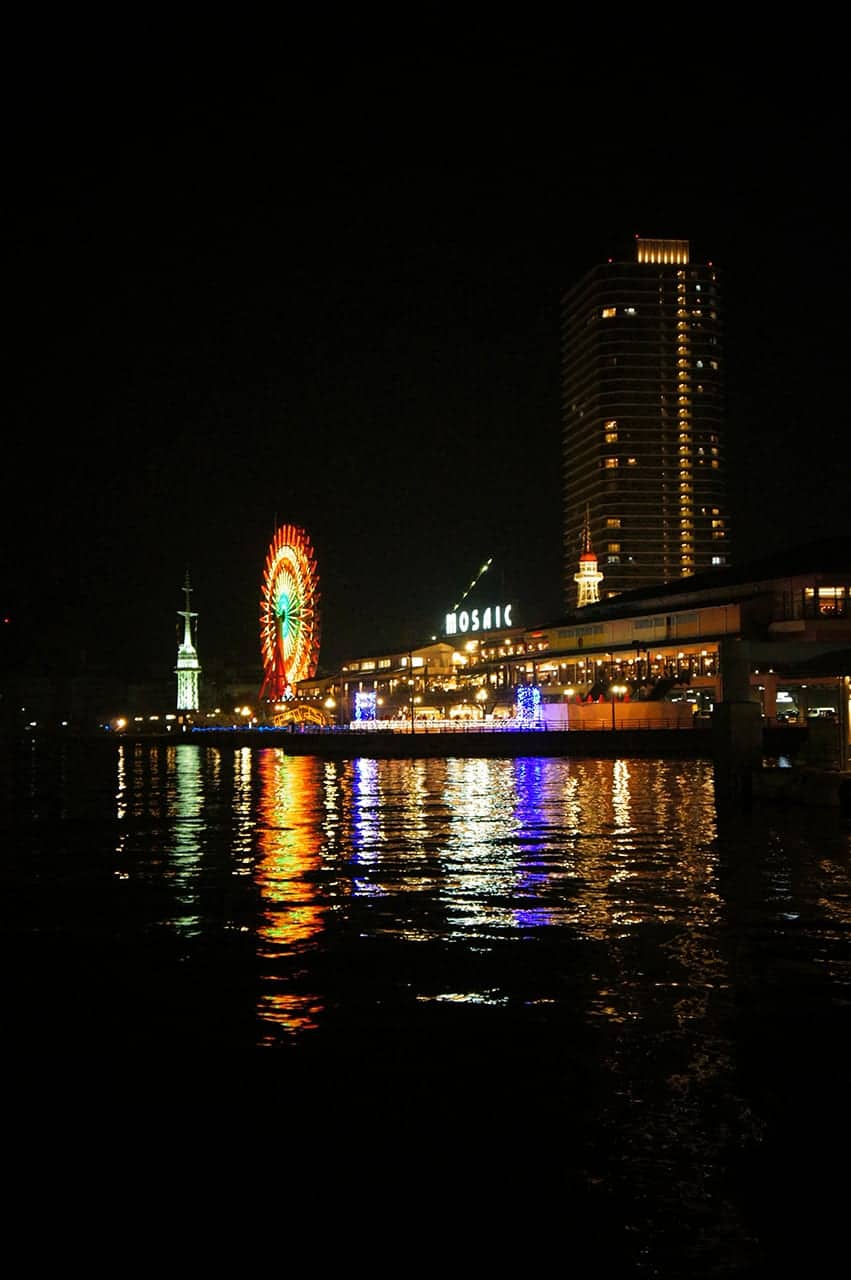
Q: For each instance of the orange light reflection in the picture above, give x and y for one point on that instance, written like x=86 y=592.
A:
x=288 y=844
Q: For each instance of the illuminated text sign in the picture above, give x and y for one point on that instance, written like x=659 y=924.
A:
x=490 y=619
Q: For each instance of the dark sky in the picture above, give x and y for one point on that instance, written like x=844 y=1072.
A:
x=335 y=303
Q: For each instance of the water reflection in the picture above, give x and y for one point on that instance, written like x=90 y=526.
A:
x=529 y=818
x=186 y=805
x=159 y=804
x=659 y=985
x=392 y=823
x=242 y=808
x=291 y=915
x=477 y=860
x=365 y=822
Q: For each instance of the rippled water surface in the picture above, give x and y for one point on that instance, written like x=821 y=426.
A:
x=591 y=953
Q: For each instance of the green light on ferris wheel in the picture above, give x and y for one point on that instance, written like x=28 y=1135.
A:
x=288 y=616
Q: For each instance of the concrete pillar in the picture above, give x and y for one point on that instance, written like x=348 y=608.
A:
x=734 y=669
x=737 y=731
x=769 y=683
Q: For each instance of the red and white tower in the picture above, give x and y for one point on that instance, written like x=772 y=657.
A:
x=588 y=578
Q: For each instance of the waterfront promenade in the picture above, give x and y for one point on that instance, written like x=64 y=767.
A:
x=348 y=744
x=694 y=742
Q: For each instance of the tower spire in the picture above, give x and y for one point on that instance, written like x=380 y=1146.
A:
x=588 y=578
x=585 y=536
x=188 y=668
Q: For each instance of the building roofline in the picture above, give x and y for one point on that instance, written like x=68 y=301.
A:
x=821 y=556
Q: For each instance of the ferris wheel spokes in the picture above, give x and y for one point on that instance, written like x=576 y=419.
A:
x=289 y=614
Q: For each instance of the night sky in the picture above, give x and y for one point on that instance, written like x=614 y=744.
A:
x=335 y=303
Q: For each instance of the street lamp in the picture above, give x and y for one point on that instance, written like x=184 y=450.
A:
x=616 y=690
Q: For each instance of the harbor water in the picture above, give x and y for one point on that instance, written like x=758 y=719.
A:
x=589 y=956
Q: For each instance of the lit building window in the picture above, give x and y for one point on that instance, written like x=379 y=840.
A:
x=611 y=462
x=827 y=601
x=608 y=312
x=614 y=546
x=631 y=462
x=613 y=522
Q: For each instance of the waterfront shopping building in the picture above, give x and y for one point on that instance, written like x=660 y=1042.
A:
x=658 y=655
x=642 y=412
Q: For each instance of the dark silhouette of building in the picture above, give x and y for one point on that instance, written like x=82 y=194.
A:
x=643 y=450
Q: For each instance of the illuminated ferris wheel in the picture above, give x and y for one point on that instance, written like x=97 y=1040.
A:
x=289 y=613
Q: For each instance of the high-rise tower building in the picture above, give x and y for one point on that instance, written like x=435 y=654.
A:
x=643 y=458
